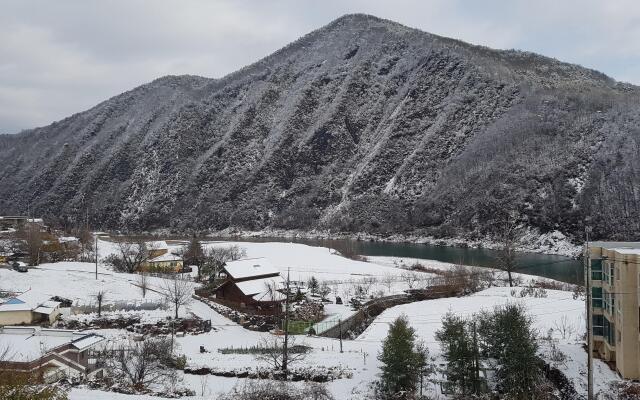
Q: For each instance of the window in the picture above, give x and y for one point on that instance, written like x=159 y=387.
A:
x=598 y=325
x=596 y=297
x=596 y=270
x=608 y=301
x=611 y=273
x=609 y=332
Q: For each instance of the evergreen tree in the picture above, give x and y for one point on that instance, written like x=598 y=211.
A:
x=459 y=349
x=313 y=285
x=508 y=338
x=194 y=255
x=402 y=361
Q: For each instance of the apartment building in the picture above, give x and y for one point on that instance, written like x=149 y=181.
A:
x=615 y=274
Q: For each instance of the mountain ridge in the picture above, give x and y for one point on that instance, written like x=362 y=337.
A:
x=361 y=125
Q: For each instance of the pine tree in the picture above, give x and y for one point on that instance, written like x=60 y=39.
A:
x=509 y=339
x=456 y=341
x=313 y=285
x=194 y=254
x=402 y=361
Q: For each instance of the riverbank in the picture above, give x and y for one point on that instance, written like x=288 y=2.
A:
x=551 y=243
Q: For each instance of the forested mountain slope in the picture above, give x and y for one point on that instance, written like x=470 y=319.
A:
x=362 y=125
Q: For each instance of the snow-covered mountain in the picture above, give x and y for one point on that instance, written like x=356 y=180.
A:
x=362 y=125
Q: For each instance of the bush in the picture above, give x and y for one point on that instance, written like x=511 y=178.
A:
x=269 y=390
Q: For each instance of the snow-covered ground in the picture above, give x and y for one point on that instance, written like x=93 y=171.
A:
x=359 y=357
x=77 y=281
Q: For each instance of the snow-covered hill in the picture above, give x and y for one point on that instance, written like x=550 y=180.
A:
x=363 y=125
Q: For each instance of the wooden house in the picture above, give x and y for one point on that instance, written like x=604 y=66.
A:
x=252 y=285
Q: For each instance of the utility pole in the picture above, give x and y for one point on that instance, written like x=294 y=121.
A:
x=286 y=329
x=589 y=304
x=476 y=374
x=96 y=251
x=340 y=329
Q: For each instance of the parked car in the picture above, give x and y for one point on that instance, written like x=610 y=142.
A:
x=19 y=266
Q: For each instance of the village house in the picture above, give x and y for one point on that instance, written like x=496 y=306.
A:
x=615 y=278
x=28 y=308
x=161 y=259
x=54 y=353
x=167 y=262
x=252 y=285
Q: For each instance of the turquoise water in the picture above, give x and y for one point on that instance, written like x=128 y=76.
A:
x=561 y=268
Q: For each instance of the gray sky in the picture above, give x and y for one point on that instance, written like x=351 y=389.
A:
x=64 y=56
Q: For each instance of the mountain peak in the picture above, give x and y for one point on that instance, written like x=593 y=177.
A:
x=362 y=125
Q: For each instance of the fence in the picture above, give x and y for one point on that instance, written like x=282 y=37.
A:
x=302 y=327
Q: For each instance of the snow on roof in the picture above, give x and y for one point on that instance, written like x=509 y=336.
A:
x=65 y=239
x=259 y=288
x=616 y=245
x=249 y=267
x=87 y=341
x=166 y=257
x=30 y=343
x=626 y=250
x=157 y=245
x=47 y=307
x=28 y=301
x=14 y=304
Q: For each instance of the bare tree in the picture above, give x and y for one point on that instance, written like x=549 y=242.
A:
x=204 y=384
x=368 y=283
x=388 y=280
x=178 y=290
x=99 y=299
x=131 y=256
x=271 y=350
x=87 y=245
x=214 y=258
x=324 y=290
x=564 y=327
x=141 y=363
x=410 y=278
x=32 y=238
x=510 y=234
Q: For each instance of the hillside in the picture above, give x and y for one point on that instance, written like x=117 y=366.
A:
x=362 y=125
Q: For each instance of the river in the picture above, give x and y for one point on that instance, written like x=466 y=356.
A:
x=561 y=268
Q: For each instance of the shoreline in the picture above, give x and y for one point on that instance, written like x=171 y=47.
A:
x=552 y=243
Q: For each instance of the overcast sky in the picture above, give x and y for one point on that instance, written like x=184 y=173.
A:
x=61 y=57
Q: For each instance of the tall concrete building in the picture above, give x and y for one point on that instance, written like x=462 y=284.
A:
x=615 y=273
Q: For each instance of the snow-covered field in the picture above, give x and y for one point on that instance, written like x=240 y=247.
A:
x=359 y=357
x=77 y=281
